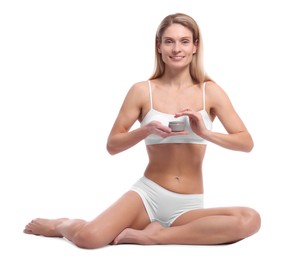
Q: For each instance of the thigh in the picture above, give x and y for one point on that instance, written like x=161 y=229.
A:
x=200 y=213
x=127 y=212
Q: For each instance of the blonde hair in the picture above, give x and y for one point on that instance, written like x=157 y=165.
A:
x=196 y=67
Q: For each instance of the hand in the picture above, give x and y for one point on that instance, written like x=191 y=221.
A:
x=196 y=121
x=155 y=127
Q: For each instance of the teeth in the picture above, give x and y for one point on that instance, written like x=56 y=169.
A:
x=177 y=58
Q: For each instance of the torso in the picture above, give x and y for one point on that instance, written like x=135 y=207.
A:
x=176 y=166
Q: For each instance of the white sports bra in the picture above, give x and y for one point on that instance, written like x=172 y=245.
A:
x=191 y=137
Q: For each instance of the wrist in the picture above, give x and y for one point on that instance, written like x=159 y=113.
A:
x=146 y=130
x=207 y=135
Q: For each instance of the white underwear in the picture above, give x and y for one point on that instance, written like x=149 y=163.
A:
x=163 y=205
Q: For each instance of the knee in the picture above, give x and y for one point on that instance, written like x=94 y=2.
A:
x=249 y=222
x=88 y=238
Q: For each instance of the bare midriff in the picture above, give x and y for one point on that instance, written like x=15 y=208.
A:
x=176 y=167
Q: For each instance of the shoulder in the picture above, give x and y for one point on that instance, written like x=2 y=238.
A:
x=212 y=87
x=137 y=93
x=140 y=86
x=217 y=99
x=139 y=89
x=214 y=91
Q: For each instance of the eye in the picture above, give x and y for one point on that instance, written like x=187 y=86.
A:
x=185 y=42
x=168 y=41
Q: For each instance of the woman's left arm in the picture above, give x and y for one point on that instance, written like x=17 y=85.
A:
x=237 y=137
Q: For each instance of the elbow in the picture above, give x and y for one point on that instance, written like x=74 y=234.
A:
x=249 y=146
x=110 y=147
x=111 y=150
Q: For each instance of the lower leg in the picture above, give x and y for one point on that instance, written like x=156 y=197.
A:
x=204 y=231
x=193 y=233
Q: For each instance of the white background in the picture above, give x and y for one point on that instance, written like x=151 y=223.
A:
x=65 y=67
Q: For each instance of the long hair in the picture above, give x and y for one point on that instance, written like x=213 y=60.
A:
x=196 y=67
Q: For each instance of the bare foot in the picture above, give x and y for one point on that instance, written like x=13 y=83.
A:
x=142 y=237
x=44 y=227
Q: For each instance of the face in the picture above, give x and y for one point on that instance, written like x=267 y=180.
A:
x=176 y=46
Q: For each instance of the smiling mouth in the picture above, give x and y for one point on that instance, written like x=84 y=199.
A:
x=176 y=57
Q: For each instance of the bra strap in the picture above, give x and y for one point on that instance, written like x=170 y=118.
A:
x=150 y=93
x=203 y=95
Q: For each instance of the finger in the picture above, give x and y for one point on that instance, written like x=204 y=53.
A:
x=164 y=128
x=184 y=113
x=179 y=133
x=186 y=109
x=190 y=114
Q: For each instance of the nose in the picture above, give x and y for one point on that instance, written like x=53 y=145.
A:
x=176 y=47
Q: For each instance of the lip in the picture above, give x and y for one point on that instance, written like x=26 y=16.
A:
x=177 y=57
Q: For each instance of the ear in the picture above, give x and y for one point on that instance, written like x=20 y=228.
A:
x=195 y=47
x=158 y=46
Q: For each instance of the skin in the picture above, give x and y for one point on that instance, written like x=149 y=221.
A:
x=176 y=167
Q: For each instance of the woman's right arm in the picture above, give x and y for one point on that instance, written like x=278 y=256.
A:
x=120 y=138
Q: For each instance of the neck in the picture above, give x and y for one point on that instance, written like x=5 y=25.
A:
x=177 y=78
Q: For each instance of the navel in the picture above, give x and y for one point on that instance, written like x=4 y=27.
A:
x=177 y=178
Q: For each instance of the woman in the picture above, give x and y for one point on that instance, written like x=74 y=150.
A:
x=166 y=205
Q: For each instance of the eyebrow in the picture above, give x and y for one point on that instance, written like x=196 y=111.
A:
x=185 y=37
